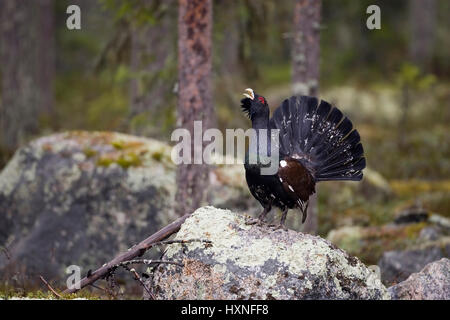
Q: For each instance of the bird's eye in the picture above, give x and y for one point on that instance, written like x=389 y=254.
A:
x=261 y=99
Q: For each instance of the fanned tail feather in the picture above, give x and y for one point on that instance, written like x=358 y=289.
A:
x=320 y=137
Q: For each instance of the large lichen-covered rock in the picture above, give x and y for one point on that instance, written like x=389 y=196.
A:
x=82 y=197
x=257 y=262
x=431 y=283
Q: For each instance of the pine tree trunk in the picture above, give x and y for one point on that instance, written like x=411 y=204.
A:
x=194 y=95
x=305 y=70
x=45 y=46
x=422 y=22
x=18 y=60
x=306 y=47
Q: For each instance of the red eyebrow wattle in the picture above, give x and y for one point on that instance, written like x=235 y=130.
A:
x=261 y=99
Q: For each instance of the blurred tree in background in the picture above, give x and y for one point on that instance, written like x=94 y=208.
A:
x=195 y=101
x=27 y=58
x=422 y=20
x=305 y=68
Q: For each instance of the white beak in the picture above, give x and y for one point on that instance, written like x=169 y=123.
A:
x=249 y=93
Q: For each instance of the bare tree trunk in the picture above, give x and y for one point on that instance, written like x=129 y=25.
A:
x=18 y=59
x=45 y=68
x=305 y=70
x=194 y=95
x=422 y=23
x=306 y=47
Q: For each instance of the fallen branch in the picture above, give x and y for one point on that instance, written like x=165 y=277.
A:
x=50 y=287
x=146 y=261
x=136 y=251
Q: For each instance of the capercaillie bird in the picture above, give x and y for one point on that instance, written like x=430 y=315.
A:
x=316 y=142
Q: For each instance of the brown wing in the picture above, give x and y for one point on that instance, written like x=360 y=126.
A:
x=296 y=179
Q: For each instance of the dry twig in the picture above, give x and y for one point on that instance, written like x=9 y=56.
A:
x=50 y=288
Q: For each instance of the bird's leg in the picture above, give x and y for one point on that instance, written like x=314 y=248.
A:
x=304 y=212
x=261 y=216
x=264 y=212
x=282 y=220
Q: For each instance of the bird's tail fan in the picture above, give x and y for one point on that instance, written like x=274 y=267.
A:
x=320 y=137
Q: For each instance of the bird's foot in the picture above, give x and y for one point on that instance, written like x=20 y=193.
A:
x=278 y=227
x=252 y=221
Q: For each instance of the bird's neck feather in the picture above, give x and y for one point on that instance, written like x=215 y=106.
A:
x=260 y=122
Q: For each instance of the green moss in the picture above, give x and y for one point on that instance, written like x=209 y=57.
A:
x=105 y=162
x=412 y=231
x=10 y=292
x=129 y=160
x=119 y=145
x=158 y=155
x=124 y=160
x=89 y=153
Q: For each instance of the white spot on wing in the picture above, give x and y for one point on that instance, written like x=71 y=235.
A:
x=283 y=163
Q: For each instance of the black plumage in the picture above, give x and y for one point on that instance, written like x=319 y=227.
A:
x=316 y=143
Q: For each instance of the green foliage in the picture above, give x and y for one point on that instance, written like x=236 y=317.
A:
x=12 y=292
x=92 y=102
x=136 y=11
x=410 y=76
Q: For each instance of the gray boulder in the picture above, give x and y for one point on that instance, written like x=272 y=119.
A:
x=257 y=262
x=432 y=283
x=397 y=265
x=82 y=197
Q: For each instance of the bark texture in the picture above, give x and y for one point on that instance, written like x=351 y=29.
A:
x=27 y=62
x=17 y=56
x=306 y=47
x=45 y=68
x=194 y=95
x=305 y=69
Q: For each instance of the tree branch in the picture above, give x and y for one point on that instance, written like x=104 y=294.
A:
x=135 y=251
x=50 y=287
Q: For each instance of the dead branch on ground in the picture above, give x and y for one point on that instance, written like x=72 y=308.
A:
x=135 y=251
x=50 y=288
